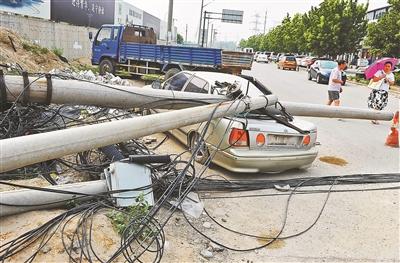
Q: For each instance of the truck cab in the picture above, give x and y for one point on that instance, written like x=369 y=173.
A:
x=106 y=43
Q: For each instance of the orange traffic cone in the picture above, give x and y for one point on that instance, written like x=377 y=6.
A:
x=393 y=139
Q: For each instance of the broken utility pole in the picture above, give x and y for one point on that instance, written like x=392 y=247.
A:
x=75 y=92
x=22 y=151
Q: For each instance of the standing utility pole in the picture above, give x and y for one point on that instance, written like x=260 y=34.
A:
x=201 y=13
x=170 y=12
x=211 y=35
x=265 y=21
x=186 y=33
x=204 y=31
x=256 y=22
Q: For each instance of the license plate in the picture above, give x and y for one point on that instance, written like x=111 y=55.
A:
x=282 y=140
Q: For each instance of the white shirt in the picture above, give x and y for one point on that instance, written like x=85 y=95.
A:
x=390 y=76
x=335 y=74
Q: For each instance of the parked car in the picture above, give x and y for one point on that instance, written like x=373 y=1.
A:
x=303 y=62
x=278 y=56
x=299 y=58
x=246 y=143
x=321 y=71
x=262 y=57
x=310 y=61
x=287 y=62
x=272 y=57
x=256 y=55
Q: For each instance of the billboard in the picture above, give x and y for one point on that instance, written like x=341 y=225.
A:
x=35 y=8
x=93 y=13
x=232 y=16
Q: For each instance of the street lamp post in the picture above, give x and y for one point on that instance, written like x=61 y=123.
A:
x=201 y=14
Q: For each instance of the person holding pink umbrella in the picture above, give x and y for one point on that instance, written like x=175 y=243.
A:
x=380 y=83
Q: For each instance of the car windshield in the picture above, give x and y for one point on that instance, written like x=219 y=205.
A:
x=328 y=64
x=290 y=59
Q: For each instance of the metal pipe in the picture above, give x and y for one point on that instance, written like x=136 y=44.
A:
x=21 y=151
x=27 y=200
x=86 y=93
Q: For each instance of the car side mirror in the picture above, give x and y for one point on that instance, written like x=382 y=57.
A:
x=156 y=84
x=90 y=36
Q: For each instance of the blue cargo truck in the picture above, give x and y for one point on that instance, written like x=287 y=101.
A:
x=132 y=49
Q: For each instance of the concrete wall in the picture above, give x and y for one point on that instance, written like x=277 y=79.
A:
x=72 y=39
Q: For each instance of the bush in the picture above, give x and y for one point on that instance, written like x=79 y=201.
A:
x=58 y=51
x=34 y=48
x=152 y=77
x=397 y=78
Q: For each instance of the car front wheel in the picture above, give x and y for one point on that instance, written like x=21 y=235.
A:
x=318 y=78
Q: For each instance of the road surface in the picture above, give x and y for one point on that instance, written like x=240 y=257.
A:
x=359 y=142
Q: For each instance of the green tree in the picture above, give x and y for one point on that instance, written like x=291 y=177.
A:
x=179 y=39
x=384 y=35
x=335 y=27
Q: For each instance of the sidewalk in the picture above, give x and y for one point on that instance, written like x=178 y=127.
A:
x=394 y=90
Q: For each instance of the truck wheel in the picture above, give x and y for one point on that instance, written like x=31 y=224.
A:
x=171 y=72
x=106 y=65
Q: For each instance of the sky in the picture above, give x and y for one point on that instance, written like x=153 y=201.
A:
x=187 y=12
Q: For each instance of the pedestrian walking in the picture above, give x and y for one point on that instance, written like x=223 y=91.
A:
x=335 y=83
x=380 y=84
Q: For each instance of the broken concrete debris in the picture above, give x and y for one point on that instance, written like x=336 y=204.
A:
x=88 y=75
x=205 y=253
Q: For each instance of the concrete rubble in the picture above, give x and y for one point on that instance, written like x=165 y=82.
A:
x=88 y=75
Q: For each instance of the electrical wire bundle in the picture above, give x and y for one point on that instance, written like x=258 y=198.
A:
x=175 y=179
x=145 y=235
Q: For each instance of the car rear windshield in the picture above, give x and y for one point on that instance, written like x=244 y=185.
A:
x=328 y=64
x=290 y=59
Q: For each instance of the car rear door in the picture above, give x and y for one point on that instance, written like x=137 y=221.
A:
x=196 y=85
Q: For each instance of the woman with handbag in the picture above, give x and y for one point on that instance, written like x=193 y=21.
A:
x=380 y=83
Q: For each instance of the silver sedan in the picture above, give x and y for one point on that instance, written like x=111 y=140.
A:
x=247 y=143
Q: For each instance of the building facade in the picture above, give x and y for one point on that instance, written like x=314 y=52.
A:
x=375 y=14
x=126 y=13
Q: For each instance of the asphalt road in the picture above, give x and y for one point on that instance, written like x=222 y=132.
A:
x=359 y=142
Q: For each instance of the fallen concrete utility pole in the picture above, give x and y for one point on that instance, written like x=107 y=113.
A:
x=87 y=93
x=25 y=150
x=28 y=200
x=75 y=92
x=317 y=110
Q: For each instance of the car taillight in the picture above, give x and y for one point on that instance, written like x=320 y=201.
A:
x=260 y=139
x=239 y=138
x=306 y=140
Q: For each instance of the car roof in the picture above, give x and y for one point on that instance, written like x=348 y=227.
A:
x=216 y=76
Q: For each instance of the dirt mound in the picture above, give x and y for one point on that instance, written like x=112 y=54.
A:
x=14 y=49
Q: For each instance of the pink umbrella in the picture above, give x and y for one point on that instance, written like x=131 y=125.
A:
x=378 y=65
